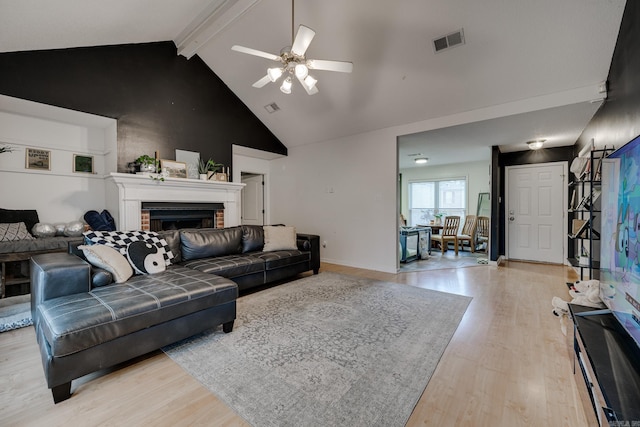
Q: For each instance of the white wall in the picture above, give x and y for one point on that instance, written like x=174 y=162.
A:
x=345 y=191
x=476 y=173
x=59 y=194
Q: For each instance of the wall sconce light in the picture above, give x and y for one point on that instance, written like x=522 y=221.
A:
x=421 y=160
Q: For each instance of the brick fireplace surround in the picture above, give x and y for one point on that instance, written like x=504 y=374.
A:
x=127 y=192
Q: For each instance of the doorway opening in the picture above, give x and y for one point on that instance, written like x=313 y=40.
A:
x=448 y=185
x=253 y=212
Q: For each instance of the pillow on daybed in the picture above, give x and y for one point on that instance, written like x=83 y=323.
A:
x=43 y=229
x=28 y=216
x=279 y=238
x=14 y=231
x=109 y=259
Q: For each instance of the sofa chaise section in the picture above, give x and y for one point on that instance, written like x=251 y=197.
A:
x=81 y=330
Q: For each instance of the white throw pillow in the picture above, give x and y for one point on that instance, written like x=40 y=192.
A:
x=109 y=259
x=279 y=238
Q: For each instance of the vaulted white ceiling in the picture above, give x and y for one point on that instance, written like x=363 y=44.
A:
x=545 y=58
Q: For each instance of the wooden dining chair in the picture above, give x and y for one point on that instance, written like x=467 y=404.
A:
x=468 y=233
x=482 y=231
x=448 y=234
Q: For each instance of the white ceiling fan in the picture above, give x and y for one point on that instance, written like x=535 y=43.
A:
x=293 y=62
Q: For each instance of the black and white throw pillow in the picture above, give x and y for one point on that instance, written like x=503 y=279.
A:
x=145 y=258
x=120 y=240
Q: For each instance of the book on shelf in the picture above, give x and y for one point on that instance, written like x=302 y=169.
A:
x=589 y=200
x=587 y=170
x=579 y=228
x=597 y=175
x=584 y=204
x=572 y=203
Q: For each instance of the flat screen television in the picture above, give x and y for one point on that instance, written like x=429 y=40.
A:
x=620 y=236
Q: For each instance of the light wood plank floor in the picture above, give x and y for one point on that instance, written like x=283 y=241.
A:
x=508 y=364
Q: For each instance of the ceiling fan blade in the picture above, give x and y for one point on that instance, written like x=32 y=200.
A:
x=339 y=66
x=311 y=91
x=255 y=52
x=302 y=40
x=263 y=81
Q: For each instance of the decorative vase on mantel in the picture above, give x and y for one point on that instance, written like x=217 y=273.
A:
x=147 y=164
x=147 y=168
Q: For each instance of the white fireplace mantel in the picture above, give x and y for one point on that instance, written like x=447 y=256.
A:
x=126 y=192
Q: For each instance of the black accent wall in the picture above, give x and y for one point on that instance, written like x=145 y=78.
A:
x=618 y=120
x=162 y=101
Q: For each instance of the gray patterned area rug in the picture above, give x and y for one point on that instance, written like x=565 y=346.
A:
x=326 y=350
x=15 y=313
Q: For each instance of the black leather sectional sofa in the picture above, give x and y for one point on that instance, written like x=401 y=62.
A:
x=81 y=328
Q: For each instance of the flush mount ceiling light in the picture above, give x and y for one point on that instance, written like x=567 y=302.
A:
x=294 y=63
x=421 y=160
x=536 y=145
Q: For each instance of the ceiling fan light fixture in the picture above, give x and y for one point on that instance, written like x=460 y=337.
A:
x=275 y=73
x=286 y=86
x=310 y=82
x=301 y=71
x=421 y=160
x=294 y=62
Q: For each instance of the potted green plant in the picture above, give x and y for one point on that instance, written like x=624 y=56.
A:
x=206 y=169
x=203 y=168
x=147 y=163
x=438 y=217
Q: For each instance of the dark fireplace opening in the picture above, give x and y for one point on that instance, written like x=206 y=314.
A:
x=175 y=215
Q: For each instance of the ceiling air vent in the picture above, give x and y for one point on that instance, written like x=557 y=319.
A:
x=449 y=41
x=271 y=108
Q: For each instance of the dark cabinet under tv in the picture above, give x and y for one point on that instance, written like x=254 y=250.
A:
x=607 y=361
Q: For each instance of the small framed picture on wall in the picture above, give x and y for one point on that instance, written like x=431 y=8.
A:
x=82 y=163
x=36 y=158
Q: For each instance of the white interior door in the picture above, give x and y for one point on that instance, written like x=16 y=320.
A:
x=536 y=203
x=253 y=199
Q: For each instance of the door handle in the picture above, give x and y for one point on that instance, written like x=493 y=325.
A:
x=511 y=218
